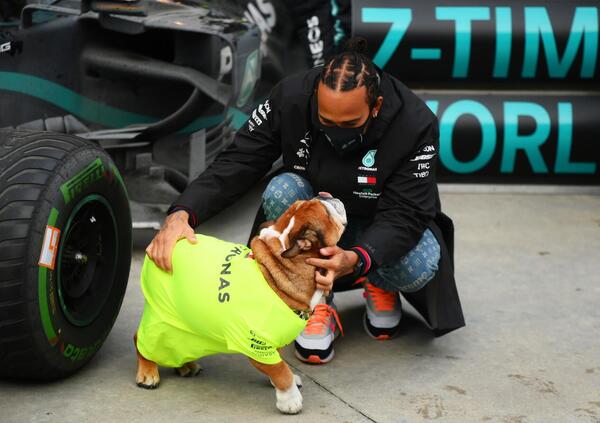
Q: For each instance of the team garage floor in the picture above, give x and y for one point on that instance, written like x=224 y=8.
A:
x=528 y=271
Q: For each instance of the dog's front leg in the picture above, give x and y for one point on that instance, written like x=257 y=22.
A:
x=147 y=376
x=289 y=398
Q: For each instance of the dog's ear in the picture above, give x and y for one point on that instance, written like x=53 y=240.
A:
x=307 y=239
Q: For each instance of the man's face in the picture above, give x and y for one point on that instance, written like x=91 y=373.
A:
x=346 y=109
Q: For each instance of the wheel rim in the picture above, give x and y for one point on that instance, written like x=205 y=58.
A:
x=87 y=259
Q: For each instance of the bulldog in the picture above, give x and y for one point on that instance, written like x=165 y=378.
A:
x=227 y=298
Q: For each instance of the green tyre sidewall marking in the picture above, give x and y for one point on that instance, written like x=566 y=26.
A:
x=67 y=346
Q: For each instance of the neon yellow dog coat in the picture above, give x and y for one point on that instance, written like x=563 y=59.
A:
x=216 y=301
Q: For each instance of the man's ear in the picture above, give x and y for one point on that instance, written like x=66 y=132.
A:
x=377 y=106
x=306 y=240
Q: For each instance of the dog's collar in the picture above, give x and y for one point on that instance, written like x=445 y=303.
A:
x=303 y=314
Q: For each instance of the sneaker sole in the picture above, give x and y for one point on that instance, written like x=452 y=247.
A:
x=314 y=359
x=381 y=337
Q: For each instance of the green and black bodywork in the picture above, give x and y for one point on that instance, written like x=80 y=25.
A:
x=150 y=73
x=99 y=101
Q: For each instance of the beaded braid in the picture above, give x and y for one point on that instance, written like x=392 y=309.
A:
x=352 y=69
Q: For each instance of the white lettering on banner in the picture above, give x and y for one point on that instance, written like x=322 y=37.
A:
x=428 y=148
x=315 y=44
x=423 y=166
x=264 y=109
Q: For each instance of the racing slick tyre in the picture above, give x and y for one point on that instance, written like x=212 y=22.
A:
x=65 y=252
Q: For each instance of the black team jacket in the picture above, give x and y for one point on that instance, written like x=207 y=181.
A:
x=390 y=181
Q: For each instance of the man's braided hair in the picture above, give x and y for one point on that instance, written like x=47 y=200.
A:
x=352 y=69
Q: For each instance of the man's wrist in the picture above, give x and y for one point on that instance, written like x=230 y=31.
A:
x=351 y=258
x=180 y=215
x=191 y=216
x=363 y=264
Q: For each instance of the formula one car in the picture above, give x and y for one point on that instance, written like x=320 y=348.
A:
x=99 y=101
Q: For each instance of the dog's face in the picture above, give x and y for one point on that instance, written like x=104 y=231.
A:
x=306 y=226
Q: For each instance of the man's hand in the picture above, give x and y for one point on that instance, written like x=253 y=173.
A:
x=176 y=226
x=340 y=262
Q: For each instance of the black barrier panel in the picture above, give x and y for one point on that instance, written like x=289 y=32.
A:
x=500 y=42
x=534 y=139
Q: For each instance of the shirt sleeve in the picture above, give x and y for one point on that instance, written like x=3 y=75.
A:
x=256 y=145
x=407 y=203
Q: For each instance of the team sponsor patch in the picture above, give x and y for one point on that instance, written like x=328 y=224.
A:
x=367 y=194
x=422 y=157
x=369 y=158
x=368 y=180
x=424 y=174
x=259 y=115
x=49 y=247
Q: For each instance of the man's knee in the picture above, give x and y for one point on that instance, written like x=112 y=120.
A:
x=415 y=269
x=282 y=191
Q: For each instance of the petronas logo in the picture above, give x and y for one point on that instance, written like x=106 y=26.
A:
x=369 y=159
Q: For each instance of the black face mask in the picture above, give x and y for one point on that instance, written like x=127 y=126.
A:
x=343 y=140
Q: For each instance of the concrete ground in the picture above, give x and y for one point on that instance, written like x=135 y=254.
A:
x=528 y=272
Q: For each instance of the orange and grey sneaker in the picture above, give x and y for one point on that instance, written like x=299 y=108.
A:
x=383 y=311
x=315 y=344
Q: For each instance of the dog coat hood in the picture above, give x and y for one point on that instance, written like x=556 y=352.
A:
x=215 y=301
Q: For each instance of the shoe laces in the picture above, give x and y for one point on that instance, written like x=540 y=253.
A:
x=382 y=300
x=319 y=319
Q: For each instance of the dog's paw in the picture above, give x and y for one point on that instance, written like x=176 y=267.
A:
x=189 y=369
x=148 y=380
x=290 y=400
